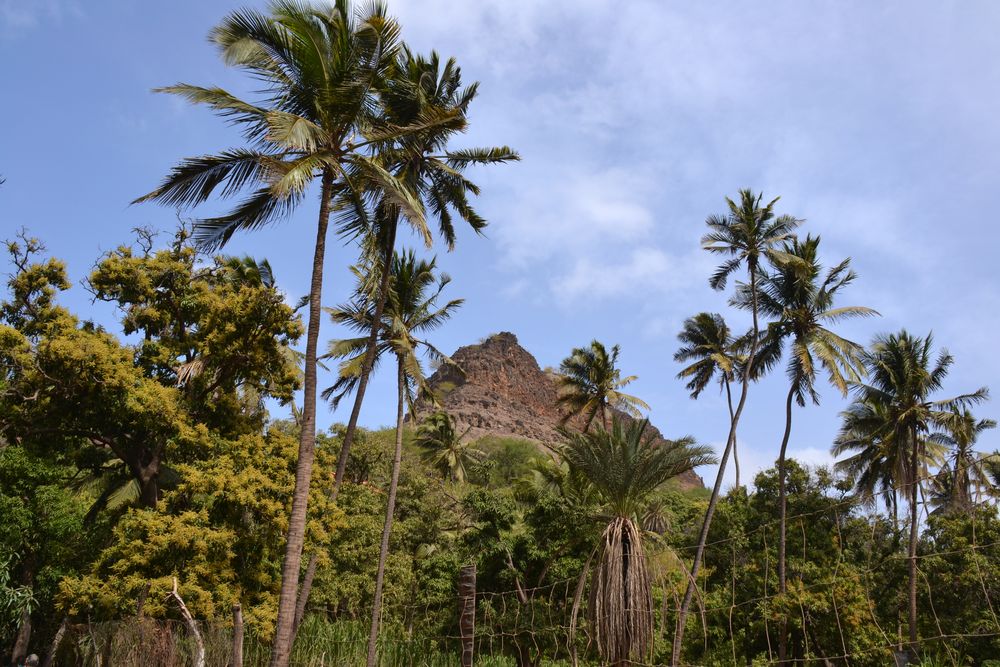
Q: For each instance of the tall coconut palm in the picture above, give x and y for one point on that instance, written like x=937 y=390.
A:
x=625 y=465
x=713 y=351
x=423 y=89
x=445 y=448
x=966 y=476
x=319 y=69
x=902 y=377
x=590 y=382
x=411 y=308
x=746 y=235
x=802 y=308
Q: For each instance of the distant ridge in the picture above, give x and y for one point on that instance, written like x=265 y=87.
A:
x=498 y=389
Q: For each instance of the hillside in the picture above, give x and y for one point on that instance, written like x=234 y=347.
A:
x=498 y=389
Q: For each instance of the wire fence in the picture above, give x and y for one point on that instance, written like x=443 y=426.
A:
x=838 y=610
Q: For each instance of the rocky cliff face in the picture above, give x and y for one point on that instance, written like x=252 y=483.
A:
x=498 y=389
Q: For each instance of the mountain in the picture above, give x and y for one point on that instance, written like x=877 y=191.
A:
x=496 y=388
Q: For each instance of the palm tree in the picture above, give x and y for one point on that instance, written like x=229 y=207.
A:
x=590 y=382
x=423 y=89
x=899 y=413
x=966 y=476
x=625 y=466
x=444 y=448
x=411 y=307
x=803 y=307
x=709 y=343
x=320 y=69
x=746 y=235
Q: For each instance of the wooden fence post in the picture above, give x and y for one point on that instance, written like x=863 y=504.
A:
x=467 y=612
x=237 y=635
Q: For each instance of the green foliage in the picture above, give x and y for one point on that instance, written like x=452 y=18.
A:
x=220 y=532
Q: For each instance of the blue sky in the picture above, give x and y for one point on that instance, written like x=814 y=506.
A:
x=876 y=122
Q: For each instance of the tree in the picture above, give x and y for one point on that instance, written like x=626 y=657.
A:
x=803 y=308
x=961 y=482
x=432 y=174
x=212 y=350
x=411 y=308
x=590 y=382
x=444 y=448
x=626 y=466
x=321 y=68
x=709 y=343
x=419 y=91
x=899 y=411
x=747 y=234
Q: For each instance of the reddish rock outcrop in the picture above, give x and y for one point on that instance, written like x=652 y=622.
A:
x=497 y=388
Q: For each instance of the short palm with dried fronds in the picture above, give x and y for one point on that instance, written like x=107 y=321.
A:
x=625 y=465
x=590 y=382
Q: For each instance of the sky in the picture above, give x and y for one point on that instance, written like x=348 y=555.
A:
x=877 y=123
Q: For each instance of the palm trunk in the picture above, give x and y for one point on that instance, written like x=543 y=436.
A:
x=283 y=635
x=914 y=482
x=717 y=488
x=736 y=458
x=352 y=423
x=390 y=508
x=782 y=538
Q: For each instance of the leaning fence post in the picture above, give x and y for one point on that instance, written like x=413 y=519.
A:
x=467 y=612
x=237 y=635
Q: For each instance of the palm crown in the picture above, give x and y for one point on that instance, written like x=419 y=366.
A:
x=320 y=70
x=411 y=308
x=745 y=234
x=967 y=473
x=710 y=346
x=625 y=464
x=590 y=382
x=802 y=308
x=443 y=446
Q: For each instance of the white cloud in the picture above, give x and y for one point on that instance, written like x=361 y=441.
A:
x=643 y=272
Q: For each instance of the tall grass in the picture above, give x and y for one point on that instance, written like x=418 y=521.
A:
x=148 y=643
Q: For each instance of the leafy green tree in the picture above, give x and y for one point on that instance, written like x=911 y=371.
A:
x=220 y=532
x=590 y=382
x=960 y=550
x=746 y=235
x=709 y=344
x=443 y=446
x=320 y=69
x=43 y=539
x=212 y=350
x=898 y=411
x=845 y=569
x=411 y=308
x=626 y=466
x=802 y=309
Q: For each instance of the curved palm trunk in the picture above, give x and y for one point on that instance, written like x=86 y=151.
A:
x=914 y=485
x=390 y=508
x=352 y=423
x=736 y=458
x=281 y=648
x=717 y=488
x=782 y=539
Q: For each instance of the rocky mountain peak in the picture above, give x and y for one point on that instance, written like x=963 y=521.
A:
x=496 y=388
